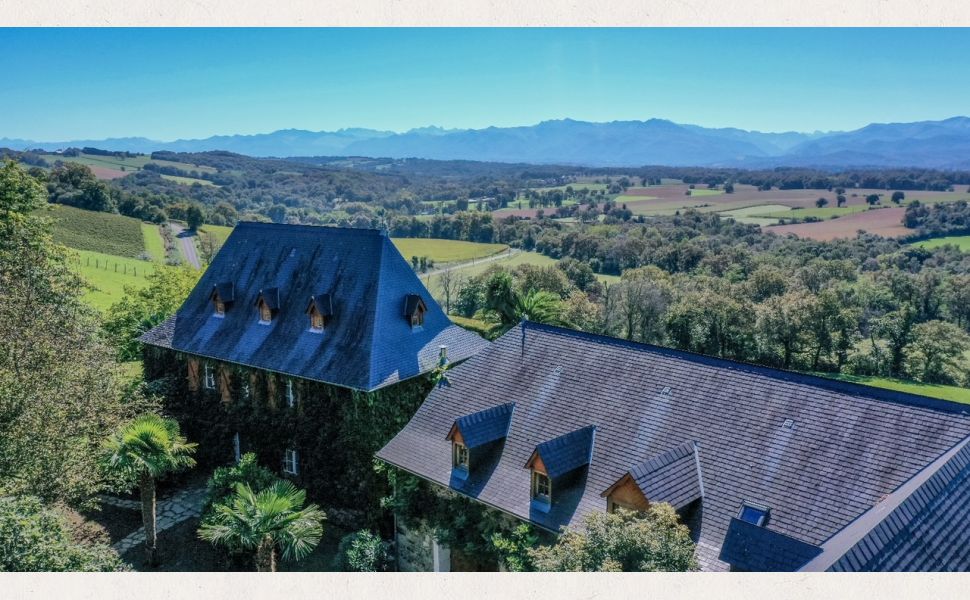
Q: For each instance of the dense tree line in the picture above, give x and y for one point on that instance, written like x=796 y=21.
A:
x=935 y=220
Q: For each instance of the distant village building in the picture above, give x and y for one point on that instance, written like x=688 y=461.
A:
x=310 y=346
x=770 y=470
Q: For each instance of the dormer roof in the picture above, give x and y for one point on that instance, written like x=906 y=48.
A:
x=673 y=476
x=270 y=297
x=484 y=426
x=225 y=291
x=322 y=303
x=565 y=453
x=412 y=304
x=369 y=347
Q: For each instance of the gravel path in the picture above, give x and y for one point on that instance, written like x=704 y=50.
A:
x=183 y=505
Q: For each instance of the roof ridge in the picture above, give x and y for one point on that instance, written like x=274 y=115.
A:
x=837 y=385
x=327 y=228
x=376 y=308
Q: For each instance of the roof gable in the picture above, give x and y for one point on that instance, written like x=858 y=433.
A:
x=565 y=453
x=673 y=476
x=484 y=426
x=367 y=344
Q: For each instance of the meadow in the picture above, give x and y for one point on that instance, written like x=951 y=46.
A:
x=107 y=233
x=446 y=251
x=943 y=392
x=108 y=275
x=113 y=167
x=960 y=241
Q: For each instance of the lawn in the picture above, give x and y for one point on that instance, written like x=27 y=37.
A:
x=109 y=275
x=446 y=251
x=960 y=241
x=218 y=233
x=153 y=241
x=943 y=392
x=107 y=233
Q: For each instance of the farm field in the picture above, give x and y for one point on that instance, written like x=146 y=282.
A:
x=756 y=215
x=886 y=222
x=943 y=392
x=109 y=275
x=827 y=212
x=113 y=167
x=960 y=241
x=446 y=251
x=107 y=233
x=153 y=241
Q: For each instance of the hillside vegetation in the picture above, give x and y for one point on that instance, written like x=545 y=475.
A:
x=96 y=231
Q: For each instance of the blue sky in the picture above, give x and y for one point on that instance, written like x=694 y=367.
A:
x=60 y=84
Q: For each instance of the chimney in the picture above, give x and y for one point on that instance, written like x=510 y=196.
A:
x=442 y=355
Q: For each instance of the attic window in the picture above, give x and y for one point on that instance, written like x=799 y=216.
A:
x=222 y=296
x=414 y=309
x=756 y=514
x=319 y=309
x=460 y=456
x=268 y=303
x=541 y=487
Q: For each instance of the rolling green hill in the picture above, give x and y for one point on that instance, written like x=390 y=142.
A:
x=107 y=233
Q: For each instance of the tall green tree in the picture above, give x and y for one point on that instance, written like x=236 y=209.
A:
x=60 y=391
x=265 y=522
x=143 y=308
x=936 y=353
x=141 y=452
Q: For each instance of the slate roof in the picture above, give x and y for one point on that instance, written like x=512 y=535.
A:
x=485 y=426
x=849 y=445
x=366 y=345
x=673 y=476
x=923 y=526
x=567 y=452
x=752 y=548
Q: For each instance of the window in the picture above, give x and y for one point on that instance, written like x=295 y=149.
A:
x=236 y=448
x=756 y=514
x=417 y=319
x=316 y=321
x=209 y=379
x=541 y=487
x=290 y=395
x=460 y=456
x=265 y=314
x=220 y=308
x=291 y=462
x=246 y=391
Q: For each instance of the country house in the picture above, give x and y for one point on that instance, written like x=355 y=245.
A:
x=770 y=470
x=311 y=346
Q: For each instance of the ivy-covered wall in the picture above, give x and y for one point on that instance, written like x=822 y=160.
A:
x=336 y=431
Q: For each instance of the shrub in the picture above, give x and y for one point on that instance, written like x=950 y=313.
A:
x=362 y=551
x=222 y=484
x=37 y=538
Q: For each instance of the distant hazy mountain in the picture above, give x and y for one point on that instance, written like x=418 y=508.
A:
x=938 y=144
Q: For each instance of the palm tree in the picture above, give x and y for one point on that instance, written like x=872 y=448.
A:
x=143 y=450
x=262 y=522
x=540 y=306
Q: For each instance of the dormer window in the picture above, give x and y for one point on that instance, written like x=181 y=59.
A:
x=268 y=304
x=319 y=309
x=414 y=309
x=756 y=514
x=541 y=487
x=222 y=296
x=290 y=394
x=460 y=456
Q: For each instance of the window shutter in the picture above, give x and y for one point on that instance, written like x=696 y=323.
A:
x=193 y=375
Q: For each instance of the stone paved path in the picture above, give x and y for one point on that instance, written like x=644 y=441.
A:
x=183 y=505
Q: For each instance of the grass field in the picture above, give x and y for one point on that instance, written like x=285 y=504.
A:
x=705 y=192
x=153 y=241
x=188 y=180
x=576 y=186
x=827 y=212
x=944 y=392
x=109 y=275
x=446 y=251
x=112 y=167
x=218 y=233
x=96 y=231
x=960 y=241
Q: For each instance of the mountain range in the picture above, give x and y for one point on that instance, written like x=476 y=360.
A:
x=930 y=144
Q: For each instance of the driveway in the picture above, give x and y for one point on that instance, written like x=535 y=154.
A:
x=187 y=239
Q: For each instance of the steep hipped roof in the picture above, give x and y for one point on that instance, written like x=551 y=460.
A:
x=367 y=344
x=752 y=547
x=848 y=445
